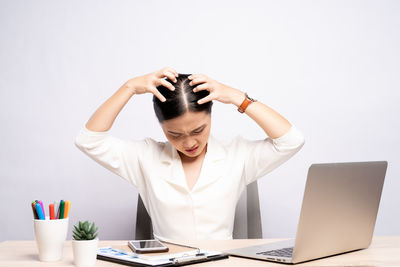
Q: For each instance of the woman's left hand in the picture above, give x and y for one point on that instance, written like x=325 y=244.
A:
x=218 y=91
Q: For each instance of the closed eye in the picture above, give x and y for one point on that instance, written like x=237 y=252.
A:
x=197 y=131
x=176 y=135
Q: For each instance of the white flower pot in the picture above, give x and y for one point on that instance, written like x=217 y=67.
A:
x=85 y=252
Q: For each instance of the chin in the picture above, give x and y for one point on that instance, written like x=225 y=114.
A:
x=192 y=155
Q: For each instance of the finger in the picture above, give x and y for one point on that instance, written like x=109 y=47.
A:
x=197 y=81
x=172 y=71
x=175 y=72
x=194 y=76
x=171 y=76
x=205 y=99
x=160 y=73
x=166 y=73
x=167 y=84
x=158 y=95
x=203 y=86
x=198 y=75
x=163 y=72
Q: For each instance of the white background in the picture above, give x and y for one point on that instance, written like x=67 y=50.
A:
x=330 y=67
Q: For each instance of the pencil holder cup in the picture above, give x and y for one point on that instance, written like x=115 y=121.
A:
x=50 y=236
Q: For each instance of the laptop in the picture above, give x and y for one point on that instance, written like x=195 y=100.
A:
x=338 y=214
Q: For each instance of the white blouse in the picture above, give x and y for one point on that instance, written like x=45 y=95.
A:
x=155 y=169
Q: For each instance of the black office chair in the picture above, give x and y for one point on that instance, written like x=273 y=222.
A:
x=247 y=223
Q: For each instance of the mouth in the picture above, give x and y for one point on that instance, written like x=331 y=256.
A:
x=191 y=151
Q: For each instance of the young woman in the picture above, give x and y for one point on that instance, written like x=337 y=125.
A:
x=189 y=185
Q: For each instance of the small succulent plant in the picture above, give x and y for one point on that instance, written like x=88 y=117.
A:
x=84 y=231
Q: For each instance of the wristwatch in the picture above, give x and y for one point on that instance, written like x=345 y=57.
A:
x=247 y=101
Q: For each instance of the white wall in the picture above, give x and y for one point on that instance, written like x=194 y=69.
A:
x=331 y=67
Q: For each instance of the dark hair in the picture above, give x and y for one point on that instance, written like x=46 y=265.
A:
x=179 y=101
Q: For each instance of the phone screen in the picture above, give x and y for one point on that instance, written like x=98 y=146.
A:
x=147 y=244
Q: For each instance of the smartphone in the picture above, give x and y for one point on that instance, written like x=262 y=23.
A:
x=147 y=246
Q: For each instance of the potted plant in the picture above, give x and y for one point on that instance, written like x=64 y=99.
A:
x=85 y=243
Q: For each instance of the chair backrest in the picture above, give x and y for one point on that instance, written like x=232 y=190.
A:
x=247 y=223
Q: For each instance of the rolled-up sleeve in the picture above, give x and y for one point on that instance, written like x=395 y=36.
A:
x=117 y=155
x=263 y=156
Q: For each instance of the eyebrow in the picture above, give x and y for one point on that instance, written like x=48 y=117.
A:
x=197 y=129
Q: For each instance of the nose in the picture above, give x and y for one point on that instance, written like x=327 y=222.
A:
x=189 y=143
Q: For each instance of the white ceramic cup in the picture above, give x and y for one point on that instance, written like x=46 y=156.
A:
x=85 y=252
x=50 y=236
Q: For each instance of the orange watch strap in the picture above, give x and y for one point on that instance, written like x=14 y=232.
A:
x=244 y=105
x=246 y=102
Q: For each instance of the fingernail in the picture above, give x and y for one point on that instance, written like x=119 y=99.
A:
x=190 y=77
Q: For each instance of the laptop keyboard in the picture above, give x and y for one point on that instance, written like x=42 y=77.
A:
x=283 y=252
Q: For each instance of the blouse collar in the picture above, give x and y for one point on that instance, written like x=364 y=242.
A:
x=212 y=169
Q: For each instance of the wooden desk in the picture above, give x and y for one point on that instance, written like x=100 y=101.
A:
x=384 y=251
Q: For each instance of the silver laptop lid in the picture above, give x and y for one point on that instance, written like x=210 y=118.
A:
x=339 y=208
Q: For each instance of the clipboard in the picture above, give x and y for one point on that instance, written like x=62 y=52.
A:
x=178 y=257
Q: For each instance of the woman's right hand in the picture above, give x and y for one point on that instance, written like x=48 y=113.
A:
x=148 y=83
